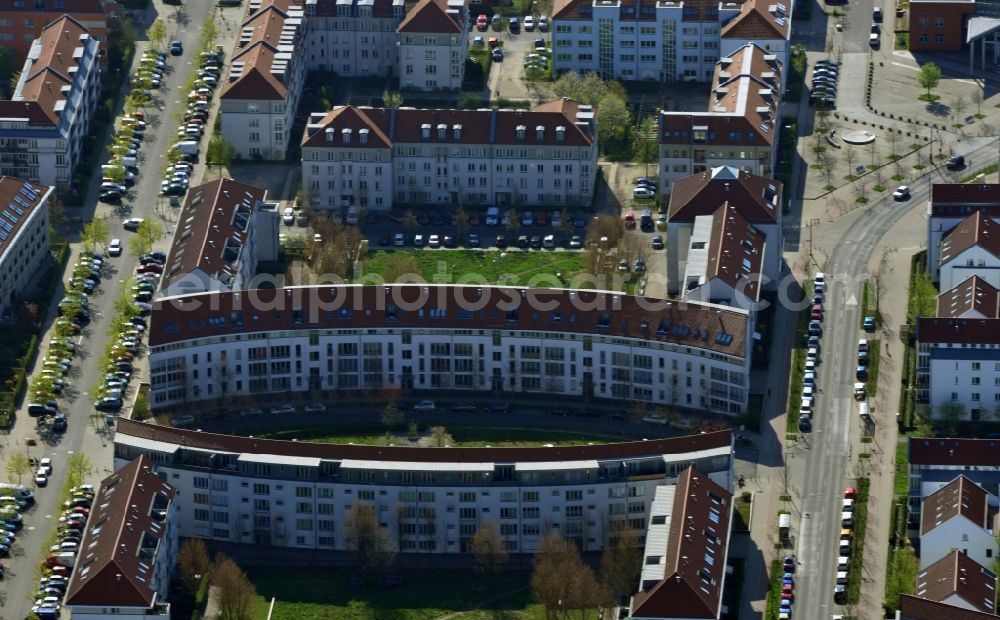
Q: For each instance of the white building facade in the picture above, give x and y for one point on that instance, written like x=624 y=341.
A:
x=660 y=40
x=585 y=344
x=44 y=125
x=958 y=361
x=373 y=158
x=24 y=240
x=297 y=494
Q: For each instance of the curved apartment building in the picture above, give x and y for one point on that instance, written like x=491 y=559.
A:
x=492 y=339
x=430 y=500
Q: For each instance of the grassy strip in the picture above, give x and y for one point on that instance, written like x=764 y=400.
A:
x=901 y=575
x=874 y=354
x=798 y=365
x=742 y=513
x=901 y=480
x=983 y=171
x=923 y=296
x=468 y=436
x=774 y=590
x=858 y=541
x=491 y=266
x=869 y=306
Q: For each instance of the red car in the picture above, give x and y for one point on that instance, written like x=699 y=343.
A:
x=630 y=220
x=816 y=315
x=541 y=219
x=787 y=596
x=849 y=493
x=149 y=268
x=482 y=22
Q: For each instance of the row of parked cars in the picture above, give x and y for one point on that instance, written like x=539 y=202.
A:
x=513 y=23
x=846 y=538
x=813 y=336
x=177 y=176
x=824 y=83
x=58 y=565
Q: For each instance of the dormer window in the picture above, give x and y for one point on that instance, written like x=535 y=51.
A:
x=457 y=131
x=442 y=131
x=331 y=134
x=345 y=135
x=521 y=130
x=540 y=133
x=363 y=136
x=560 y=133
x=425 y=131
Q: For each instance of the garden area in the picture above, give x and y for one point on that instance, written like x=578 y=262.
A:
x=470 y=266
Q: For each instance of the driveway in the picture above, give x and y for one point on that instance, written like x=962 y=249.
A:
x=506 y=77
x=93 y=439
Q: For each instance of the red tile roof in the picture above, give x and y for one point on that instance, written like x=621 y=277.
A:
x=735 y=251
x=18 y=199
x=211 y=229
x=959 y=575
x=258 y=54
x=976 y=230
x=430 y=16
x=114 y=566
x=70 y=7
x=961 y=496
x=945 y=197
x=954 y=452
x=380 y=8
x=972 y=295
x=388 y=126
x=254 y=445
x=755 y=21
x=705 y=326
x=699 y=529
x=958 y=331
x=915 y=608
x=756 y=198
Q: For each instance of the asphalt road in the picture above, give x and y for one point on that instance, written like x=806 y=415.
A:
x=826 y=451
x=21 y=584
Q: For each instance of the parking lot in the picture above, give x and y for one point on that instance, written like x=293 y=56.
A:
x=506 y=78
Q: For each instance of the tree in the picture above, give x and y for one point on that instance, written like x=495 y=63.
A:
x=18 y=465
x=958 y=105
x=157 y=33
x=95 y=233
x=220 y=152
x=513 y=220
x=8 y=71
x=489 y=549
x=461 y=220
x=209 y=33
x=951 y=413
x=146 y=235
x=645 y=146
x=193 y=563
x=928 y=76
x=410 y=220
x=391 y=99
x=613 y=118
x=977 y=98
x=588 y=88
x=235 y=592
x=533 y=73
x=621 y=563
x=392 y=416
x=78 y=469
x=440 y=437
x=115 y=174
x=367 y=540
x=561 y=582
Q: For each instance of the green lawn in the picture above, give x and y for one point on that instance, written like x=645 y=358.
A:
x=741 y=516
x=465 y=436
x=516 y=267
x=316 y=593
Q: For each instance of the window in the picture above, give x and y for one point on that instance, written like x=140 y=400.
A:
x=939 y=38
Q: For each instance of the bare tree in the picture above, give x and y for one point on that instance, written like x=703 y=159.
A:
x=392 y=416
x=440 y=437
x=192 y=563
x=978 y=97
x=621 y=563
x=489 y=549
x=958 y=106
x=849 y=158
x=366 y=539
x=235 y=592
x=561 y=582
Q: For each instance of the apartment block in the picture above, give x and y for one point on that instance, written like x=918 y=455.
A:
x=662 y=40
x=958 y=516
x=940 y=25
x=745 y=196
x=223 y=232
x=739 y=129
x=298 y=494
x=128 y=549
x=592 y=344
x=22 y=21
x=959 y=581
x=371 y=158
x=267 y=73
x=354 y=38
x=434 y=36
x=45 y=123
x=950 y=204
x=972 y=248
x=24 y=240
x=958 y=361
x=936 y=462
x=916 y=608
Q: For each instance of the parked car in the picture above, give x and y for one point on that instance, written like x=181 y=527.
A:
x=115 y=247
x=425 y=405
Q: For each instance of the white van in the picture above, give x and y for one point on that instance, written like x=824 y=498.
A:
x=863 y=345
x=863 y=411
x=352 y=216
x=492 y=216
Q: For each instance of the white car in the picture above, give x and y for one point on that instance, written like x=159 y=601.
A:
x=655 y=419
x=902 y=193
x=288 y=217
x=642 y=193
x=282 y=410
x=315 y=408
x=115 y=247
x=434 y=241
x=46 y=465
x=425 y=405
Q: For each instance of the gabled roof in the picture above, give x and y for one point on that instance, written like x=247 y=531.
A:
x=735 y=251
x=695 y=557
x=18 y=200
x=974 y=295
x=960 y=497
x=756 y=198
x=958 y=331
x=961 y=198
x=256 y=71
x=570 y=9
x=430 y=16
x=756 y=21
x=354 y=119
x=916 y=608
x=976 y=230
x=212 y=230
x=958 y=575
x=50 y=6
x=126 y=524
x=954 y=452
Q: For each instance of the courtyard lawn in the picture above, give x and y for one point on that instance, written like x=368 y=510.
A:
x=518 y=267
x=327 y=594
x=465 y=436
